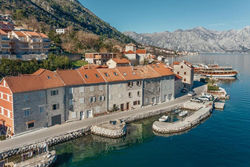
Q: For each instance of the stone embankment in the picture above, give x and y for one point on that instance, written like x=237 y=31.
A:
x=186 y=124
x=43 y=160
x=112 y=129
x=48 y=142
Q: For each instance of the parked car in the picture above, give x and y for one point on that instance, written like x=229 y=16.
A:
x=195 y=99
x=191 y=93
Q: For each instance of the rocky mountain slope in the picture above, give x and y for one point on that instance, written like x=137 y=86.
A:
x=61 y=14
x=198 y=39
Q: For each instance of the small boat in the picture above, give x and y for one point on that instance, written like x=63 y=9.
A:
x=177 y=111
x=164 y=118
x=183 y=113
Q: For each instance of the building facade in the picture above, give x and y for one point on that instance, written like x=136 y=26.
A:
x=5 y=46
x=186 y=71
x=99 y=58
x=47 y=98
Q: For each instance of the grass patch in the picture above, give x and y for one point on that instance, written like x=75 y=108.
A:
x=79 y=63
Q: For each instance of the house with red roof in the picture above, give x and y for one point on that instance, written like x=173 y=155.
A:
x=186 y=71
x=136 y=56
x=47 y=98
x=118 y=62
x=29 y=43
x=99 y=58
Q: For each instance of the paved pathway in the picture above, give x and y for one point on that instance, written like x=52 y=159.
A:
x=42 y=134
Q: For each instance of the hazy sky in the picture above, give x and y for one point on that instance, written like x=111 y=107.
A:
x=169 y=15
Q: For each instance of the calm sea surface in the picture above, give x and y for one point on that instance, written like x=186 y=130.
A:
x=221 y=141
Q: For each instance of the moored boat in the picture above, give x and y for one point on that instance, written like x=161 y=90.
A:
x=164 y=118
x=183 y=113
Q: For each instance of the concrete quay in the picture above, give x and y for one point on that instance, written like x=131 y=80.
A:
x=116 y=130
x=186 y=124
x=68 y=131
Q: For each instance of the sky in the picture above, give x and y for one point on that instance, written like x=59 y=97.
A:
x=148 y=16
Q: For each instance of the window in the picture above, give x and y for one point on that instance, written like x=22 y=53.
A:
x=70 y=90
x=138 y=83
x=181 y=66
x=138 y=94
x=101 y=98
x=115 y=74
x=81 y=100
x=184 y=79
x=30 y=124
x=106 y=74
x=26 y=112
x=185 y=73
x=54 y=92
x=135 y=103
x=97 y=76
x=130 y=95
x=2 y=110
x=41 y=109
x=130 y=84
x=125 y=74
x=55 y=106
x=86 y=76
x=92 y=99
x=178 y=72
x=139 y=102
x=8 y=112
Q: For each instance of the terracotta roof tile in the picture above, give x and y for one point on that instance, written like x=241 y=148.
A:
x=162 y=69
x=129 y=52
x=43 y=79
x=121 y=61
x=147 y=72
x=130 y=73
x=111 y=75
x=32 y=33
x=43 y=35
x=141 y=51
x=19 y=33
x=70 y=77
x=90 y=76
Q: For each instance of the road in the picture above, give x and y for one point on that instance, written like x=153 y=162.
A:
x=45 y=133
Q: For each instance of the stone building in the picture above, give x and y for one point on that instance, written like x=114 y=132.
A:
x=37 y=101
x=46 y=98
x=99 y=58
x=186 y=71
x=116 y=62
x=4 y=43
x=29 y=42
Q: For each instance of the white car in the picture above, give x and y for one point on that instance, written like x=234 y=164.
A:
x=191 y=93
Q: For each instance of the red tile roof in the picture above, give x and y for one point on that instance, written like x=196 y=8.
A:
x=129 y=52
x=121 y=61
x=111 y=75
x=19 y=33
x=32 y=33
x=141 y=51
x=147 y=72
x=42 y=35
x=130 y=73
x=90 y=76
x=43 y=79
x=162 y=69
x=70 y=77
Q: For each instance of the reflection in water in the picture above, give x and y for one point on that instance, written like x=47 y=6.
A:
x=92 y=146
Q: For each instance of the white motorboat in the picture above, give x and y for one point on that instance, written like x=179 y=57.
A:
x=177 y=111
x=183 y=113
x=164 y=118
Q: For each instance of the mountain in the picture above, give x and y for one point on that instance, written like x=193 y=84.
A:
x=198 y=39
x=61 y=14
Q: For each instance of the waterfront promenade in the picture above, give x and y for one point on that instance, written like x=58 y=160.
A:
x=45 y=133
